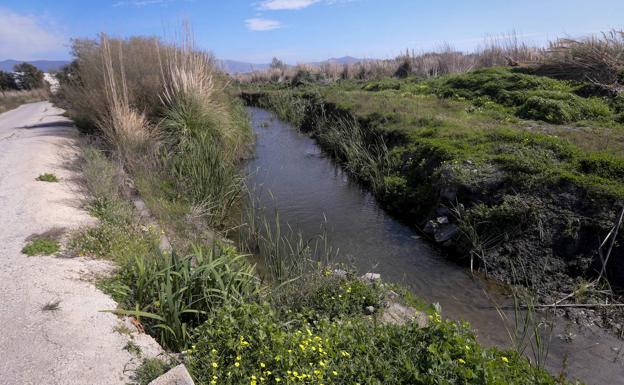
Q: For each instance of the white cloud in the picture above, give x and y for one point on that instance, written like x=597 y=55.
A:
x=25 y=37
x=260 y=24
x=275 y=5
x=140 y=3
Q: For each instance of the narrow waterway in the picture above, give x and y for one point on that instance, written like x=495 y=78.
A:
x=292 y=175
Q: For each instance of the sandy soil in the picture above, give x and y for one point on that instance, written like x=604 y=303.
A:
x=76 y=344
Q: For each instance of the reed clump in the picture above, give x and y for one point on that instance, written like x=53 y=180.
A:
x=162 y=109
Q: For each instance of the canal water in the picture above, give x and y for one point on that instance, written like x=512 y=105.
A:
x=291 y=174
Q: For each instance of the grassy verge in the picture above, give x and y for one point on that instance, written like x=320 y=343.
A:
x=517 y=173
x=12 y=99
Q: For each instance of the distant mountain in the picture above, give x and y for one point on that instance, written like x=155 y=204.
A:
x=341 y=60
x=238 y=67
x=43 y=65
x=229 y=66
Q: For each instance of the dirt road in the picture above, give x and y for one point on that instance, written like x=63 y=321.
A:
x=77 y=343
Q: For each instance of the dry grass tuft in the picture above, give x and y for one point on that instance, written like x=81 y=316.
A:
x=12 y=99
x=597 y=59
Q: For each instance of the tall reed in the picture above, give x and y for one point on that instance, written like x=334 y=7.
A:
x=284 y=255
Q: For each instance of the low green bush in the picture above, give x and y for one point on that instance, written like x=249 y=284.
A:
x=327 y=294
x=253 y=344
x=531 y=96
x=603 y=165
x=560 y=111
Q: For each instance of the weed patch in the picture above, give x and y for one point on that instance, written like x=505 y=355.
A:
x=41 y=246
x=150 y=369
x=47 y=178
x=253 y=343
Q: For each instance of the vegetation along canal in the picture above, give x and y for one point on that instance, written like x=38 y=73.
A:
x=293 y=176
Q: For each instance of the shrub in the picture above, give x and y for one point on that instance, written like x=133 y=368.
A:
x=7 y=81
x=302 y=77
x=28 y=77
x=604 y=165
x=563 y=111
x=532 y=96
x=325 y=294
x=252 y=344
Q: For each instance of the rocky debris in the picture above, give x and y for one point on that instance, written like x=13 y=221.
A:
x=430 y=227
x=371 y=277
x=441 y=229
x=392 y=311
x=176 y=376
x=397 y=314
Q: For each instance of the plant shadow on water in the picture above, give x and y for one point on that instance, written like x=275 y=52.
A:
x=306 y=191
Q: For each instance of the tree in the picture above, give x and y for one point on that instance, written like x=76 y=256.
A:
x=277 y=64
x=28 y=76
x=7 y=81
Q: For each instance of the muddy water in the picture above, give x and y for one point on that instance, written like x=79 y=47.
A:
x=292 y=175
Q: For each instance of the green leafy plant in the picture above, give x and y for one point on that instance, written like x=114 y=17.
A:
x=253 y=344
x=173 y=294
x=47 y=177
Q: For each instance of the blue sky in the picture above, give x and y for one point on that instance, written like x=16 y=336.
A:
x=299 y=30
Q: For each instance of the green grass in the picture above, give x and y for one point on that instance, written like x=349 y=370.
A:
x=42 y=246
x=47 y=177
